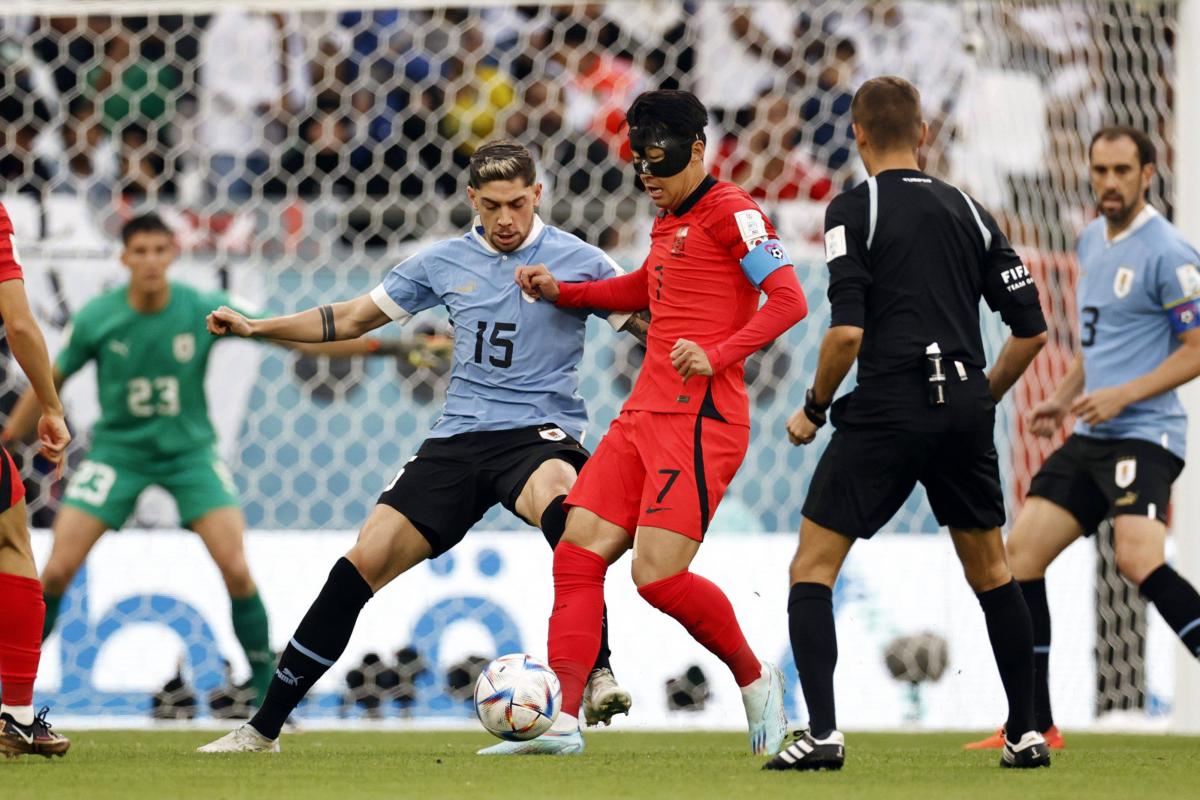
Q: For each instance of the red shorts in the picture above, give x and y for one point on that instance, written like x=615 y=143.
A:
x=12 y=489
x=661 y=470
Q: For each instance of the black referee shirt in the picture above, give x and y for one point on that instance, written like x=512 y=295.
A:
x=909 y=258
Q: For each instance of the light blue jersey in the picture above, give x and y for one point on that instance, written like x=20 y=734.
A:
x=516 y=360
x=1137 y=294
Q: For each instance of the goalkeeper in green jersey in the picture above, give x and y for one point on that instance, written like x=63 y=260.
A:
x=151 y=348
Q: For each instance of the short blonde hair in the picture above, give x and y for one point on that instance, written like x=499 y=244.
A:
x=501 y=160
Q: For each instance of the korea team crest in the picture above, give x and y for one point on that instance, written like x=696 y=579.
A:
x=183 y=346
x=1126 y=472
x=1123 y=282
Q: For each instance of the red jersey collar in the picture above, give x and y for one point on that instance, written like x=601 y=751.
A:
x=693 y=198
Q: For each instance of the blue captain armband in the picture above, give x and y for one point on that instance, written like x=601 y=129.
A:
x=763 y=259
x=1185 y=315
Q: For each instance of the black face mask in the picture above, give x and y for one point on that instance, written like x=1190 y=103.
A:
x=677 y=152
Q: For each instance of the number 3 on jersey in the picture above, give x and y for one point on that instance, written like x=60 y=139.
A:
x=158 y=397
x=496 y=340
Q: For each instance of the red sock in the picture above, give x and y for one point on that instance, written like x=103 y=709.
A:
x=701 y=607
x=576 y=620
x=20 y=637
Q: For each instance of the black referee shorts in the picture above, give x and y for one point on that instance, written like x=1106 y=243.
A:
x=450 y=483
x=865 y=475
x=1095 y=478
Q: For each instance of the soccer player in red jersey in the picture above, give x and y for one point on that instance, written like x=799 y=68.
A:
x=657 y=476
x=21 y=604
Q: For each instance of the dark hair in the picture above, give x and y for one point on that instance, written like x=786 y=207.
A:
x=1147 y=153
x=671 y=111
x=501 y=160
x=144 y=223
x=888 y=109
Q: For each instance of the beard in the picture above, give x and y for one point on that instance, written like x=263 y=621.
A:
x=1119 y=216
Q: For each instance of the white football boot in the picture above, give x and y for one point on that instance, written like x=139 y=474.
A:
x=765 y=713
x=562 y=739
x=242 y=739
x=603 y=699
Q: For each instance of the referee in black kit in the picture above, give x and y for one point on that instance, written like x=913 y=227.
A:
x=909 y=258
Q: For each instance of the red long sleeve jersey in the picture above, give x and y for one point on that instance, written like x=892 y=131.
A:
x=696 y=288
x=9 y=268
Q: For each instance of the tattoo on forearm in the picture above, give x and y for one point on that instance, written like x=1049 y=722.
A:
x=638 y=325
x=328 y=333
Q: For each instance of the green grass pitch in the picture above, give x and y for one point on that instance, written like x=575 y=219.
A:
x=345 y=765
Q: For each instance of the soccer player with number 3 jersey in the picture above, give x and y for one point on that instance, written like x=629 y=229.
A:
x=662 y=468
x=1139 y=319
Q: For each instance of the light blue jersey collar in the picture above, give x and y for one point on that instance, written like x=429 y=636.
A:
x=1145 y=215
x=535 y=233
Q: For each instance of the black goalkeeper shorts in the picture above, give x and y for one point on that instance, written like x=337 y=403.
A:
x=1096 y=478
x=447 y=487
x=865 y=475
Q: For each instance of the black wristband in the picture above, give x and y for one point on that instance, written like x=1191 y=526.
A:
x=813 y=410
x=328 y=333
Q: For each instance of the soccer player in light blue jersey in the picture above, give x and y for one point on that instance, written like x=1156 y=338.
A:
x=1139 y=317
x=510 y=432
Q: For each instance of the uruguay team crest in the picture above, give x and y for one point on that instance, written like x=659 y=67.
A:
x=1123 y=282
x=183 y=347
x=553 y=434
x=1126 y=472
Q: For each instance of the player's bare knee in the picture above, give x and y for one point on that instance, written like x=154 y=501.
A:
x=1136 y=564
x=1022 y=559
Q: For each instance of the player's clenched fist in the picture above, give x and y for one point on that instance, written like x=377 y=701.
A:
x=225 y=321
x=689 y=359
x=536 y=281
x=801 y=429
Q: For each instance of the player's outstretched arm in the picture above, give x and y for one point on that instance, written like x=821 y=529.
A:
x=623 y=293
x=1015 y=357
x=29 y=348
x=1177 y=369
x=349 y=319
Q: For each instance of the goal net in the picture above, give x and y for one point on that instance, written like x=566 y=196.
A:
x=301 y=149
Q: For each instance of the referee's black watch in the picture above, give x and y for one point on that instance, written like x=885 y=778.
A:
x=813 y=410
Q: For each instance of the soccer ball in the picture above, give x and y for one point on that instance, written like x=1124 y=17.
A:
x=517 y=697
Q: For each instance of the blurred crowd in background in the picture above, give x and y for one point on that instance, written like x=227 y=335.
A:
x=380 y=109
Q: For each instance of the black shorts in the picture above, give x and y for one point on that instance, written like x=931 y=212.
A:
x=865 y=475
x=1094 y=479
x=451 y=483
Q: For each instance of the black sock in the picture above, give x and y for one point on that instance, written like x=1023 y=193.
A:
x=1178 y=602
x=814 y=647
x=554 y=522
x=1039 y=613
x=1011 y=633
x=317 y=643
